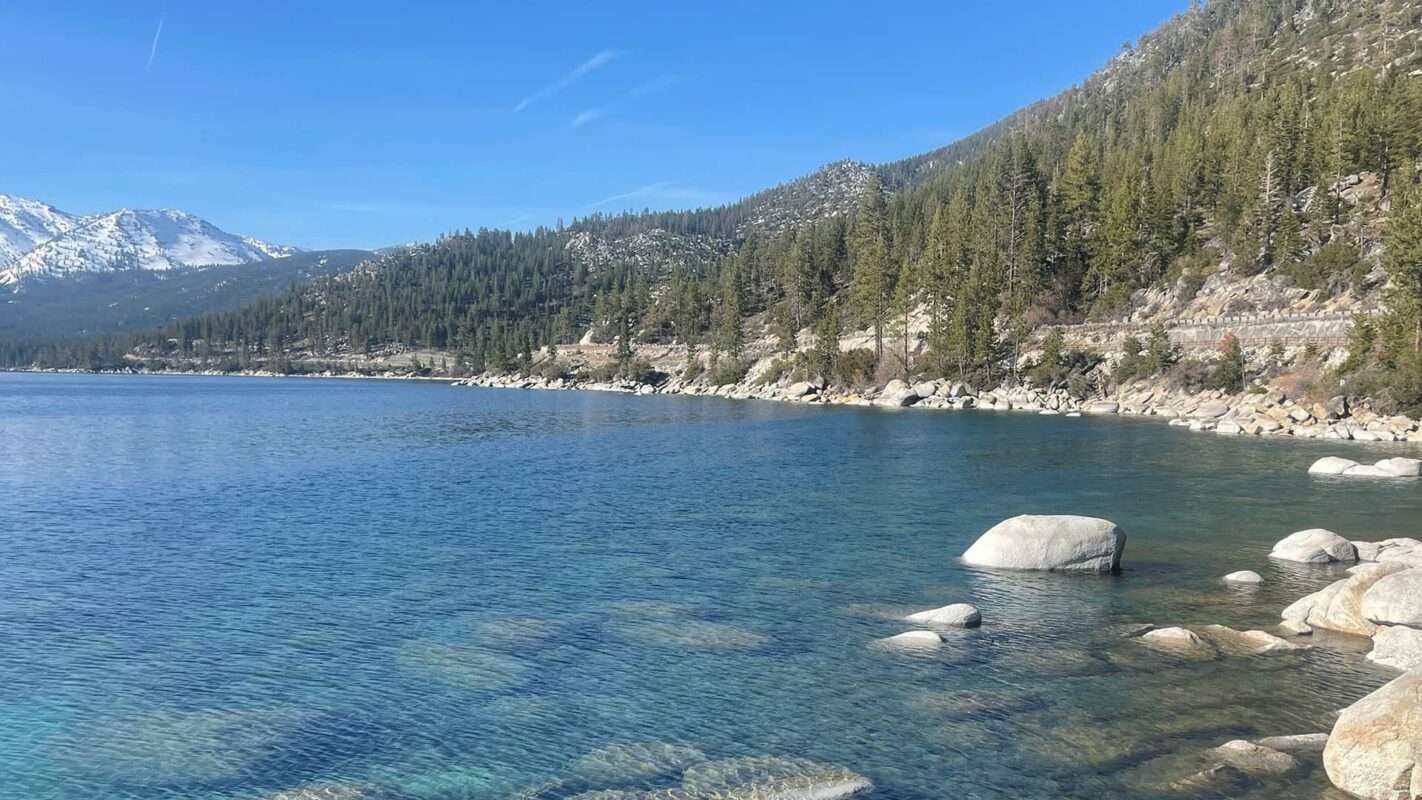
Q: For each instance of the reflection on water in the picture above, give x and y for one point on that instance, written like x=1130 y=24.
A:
x=232 y=588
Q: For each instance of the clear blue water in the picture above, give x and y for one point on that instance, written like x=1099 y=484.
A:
x=225 y=588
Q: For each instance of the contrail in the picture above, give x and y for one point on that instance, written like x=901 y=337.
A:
x=562 y=83
x=154 y=50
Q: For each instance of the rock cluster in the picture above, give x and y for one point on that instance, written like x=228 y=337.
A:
x=1264 y=413
x=1386 y=468
x=1380 y=599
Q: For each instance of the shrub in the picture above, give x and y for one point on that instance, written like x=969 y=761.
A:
x=854 y=367
x=1229 y=373
x=728 y=370
x=602 y=373
x=639 y=370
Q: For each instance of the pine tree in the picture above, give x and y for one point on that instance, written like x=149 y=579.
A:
x=869 y=252
x=1404 y=260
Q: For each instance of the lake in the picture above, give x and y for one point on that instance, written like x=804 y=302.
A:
x=230 y=587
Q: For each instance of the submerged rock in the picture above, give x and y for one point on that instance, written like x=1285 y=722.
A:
x=464 y=666
x=1062 y=543
x=1179 y=641
x=1296 y=744
x=961 y=615
x=1256 y=642
x=1314 y=546
x=208 y=747
x=772 y=778
x=913 y=639
x=338 y=791
x=1375 y=746
x=1252 y=757
x=635 y=761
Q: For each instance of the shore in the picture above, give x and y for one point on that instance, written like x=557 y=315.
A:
x=1267 y=412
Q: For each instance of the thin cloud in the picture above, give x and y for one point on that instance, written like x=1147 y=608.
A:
x=588 y=116
x=153 y=51
x=599 y=60
x=657 y=84
x=516 y=220
x=665 y=190
x=653 y=86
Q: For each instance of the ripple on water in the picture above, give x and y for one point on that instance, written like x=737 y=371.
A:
x=464 y=666
x=210 y=747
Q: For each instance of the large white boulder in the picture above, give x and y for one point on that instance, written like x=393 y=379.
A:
x=1403 y=550
x=959 y=615
x=1401 y=467
x=1376 y=745
x=1397 y=646
x=1244 y=576
x=1331 y=465
x=1314 y=546
x=1395 y=599
x=1058 y=542
x=1339 y=606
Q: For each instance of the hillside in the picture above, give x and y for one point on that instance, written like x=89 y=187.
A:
x=126 y=300
x=1247 y=155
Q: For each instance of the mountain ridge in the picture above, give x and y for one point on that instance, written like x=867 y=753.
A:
x=39 y=241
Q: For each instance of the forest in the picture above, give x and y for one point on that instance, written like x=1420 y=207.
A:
x=1223 y=138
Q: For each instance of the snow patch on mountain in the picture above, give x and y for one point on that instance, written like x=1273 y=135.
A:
x=39 y=241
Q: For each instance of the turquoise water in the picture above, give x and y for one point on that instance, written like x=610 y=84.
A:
x=225 y=588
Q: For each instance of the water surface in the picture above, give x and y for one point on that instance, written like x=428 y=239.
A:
x=225 y=588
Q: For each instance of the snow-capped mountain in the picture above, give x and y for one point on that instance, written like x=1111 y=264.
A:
x=26 y=224
x=39 y=241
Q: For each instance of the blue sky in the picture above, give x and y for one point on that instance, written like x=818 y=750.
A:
x=361 y=124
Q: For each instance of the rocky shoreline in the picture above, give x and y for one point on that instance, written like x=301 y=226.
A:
x=1269 y=412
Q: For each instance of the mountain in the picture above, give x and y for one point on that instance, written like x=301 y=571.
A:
x=1243 y=142
x=26 y=224
x=90 y=303
x=38 y=241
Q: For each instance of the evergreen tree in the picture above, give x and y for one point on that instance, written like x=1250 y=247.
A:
x=869 y=251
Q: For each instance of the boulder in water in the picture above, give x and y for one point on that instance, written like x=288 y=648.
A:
x=1252 y=757
x=1179 y=642
x=1331 y=465
x=1376 y=744
x=913 y=639
x=1397 y=646
x=1395 y=599
x=1314 y=546
x=1244 y=576
x=961 y=615
x=1338 y=606
x=1062 y=543
x=1296 y=744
